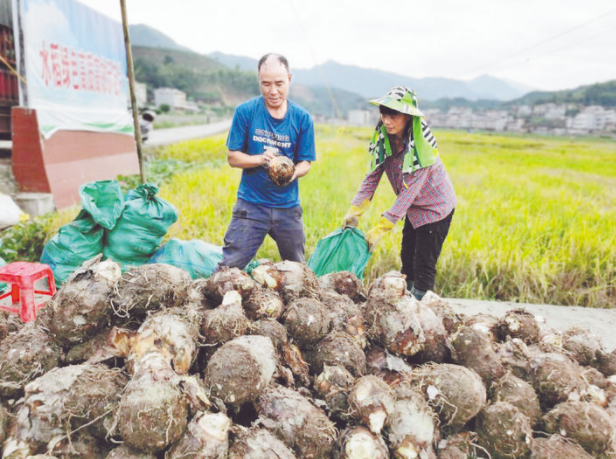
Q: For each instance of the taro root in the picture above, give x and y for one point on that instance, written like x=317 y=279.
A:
x=473 y=349
x=267 y=275
x=548 y=334
x=299 y=281
x=391 y=368
x=10 y=323
x=333 y=385
x=273 y=329
x=556 y=378
x=240 y=370
x=359 y=443
x=607 y=363
x=504 y=431
x=80 y=445
x=586 y=423
x=486 y=323
x=257 y=443
x=94 y=350
x=4 y=422
x=392 y=283
x=294 y=359
x=411 y=427
x=298 y=423
x=371 y=402
x=393 y=323
x=280 y=170
x=583 y=345
x=519 y=323
x=153 y=412
x=206 y=437
x=148 y=288
x=344 y=283
x=226 y=280
x=345 y=316
x=15 y=449
x=559 y=447
x=307 y=321
x=436 y=347
x=123 y=452
x=513 y=355
x=451 y=320
x=337 y=348
x=263 y=304
x=458 y=446
x=26 y=355
x=226 y=322
x=81 y=307
x=78 y=397
x=519 y=393
x=171 y=333
x=456 y=393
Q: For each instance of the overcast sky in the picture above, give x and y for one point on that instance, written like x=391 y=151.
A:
x=544 y=44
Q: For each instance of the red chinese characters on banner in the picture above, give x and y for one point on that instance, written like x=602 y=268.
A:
x=65 y=67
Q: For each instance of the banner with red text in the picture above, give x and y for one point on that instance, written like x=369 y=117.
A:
x=75 y=61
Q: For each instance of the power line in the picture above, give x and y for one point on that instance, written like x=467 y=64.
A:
x=547 y=40
x=571 y=45
x=314 y=56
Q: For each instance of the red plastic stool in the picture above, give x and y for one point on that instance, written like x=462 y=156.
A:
x=22 y=275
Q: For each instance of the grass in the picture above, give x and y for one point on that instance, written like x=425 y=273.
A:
x=534 y=221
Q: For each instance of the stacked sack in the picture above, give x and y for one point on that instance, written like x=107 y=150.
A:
x=127 y=229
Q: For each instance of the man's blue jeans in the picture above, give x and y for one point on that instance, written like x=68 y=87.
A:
x=250 y=223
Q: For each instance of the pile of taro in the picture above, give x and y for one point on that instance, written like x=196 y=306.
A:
x=279 y=364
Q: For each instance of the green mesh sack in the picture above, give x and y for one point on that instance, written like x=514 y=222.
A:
x=345 y=249
x=75 y=243
x=2 y=284
x=141 y=228
x=196 y=257
x=103 y=200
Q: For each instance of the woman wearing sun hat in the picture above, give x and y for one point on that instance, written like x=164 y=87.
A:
x=404 y=148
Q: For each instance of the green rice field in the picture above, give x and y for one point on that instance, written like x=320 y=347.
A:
x=535 y=221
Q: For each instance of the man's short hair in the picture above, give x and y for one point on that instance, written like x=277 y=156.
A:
x=279 y=57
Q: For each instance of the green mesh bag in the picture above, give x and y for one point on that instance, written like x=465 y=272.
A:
x=103 y=200
x=196 y=257
x=141 y=228
x=75 y=243
x=345 y=249
x=2 y=284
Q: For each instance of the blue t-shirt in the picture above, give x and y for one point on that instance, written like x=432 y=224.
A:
x=252 y=130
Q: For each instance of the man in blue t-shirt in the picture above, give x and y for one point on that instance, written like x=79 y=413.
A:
x=263 y=128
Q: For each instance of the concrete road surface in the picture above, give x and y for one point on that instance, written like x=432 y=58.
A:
x=601 y=322
x=173 y=135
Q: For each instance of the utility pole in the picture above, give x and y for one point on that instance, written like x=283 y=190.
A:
x=131 y=85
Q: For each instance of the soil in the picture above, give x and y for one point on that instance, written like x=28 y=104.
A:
x=601 y=322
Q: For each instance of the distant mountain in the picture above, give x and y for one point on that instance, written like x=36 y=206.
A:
x=144 y=35
x=206 y=79
x=603 y=94
x=245 y=64
x=200 y=77
x=370 y=83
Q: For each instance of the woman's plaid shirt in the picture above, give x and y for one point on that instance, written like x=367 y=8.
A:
x=427 y=197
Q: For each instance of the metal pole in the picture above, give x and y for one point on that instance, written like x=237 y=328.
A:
x=131 y=84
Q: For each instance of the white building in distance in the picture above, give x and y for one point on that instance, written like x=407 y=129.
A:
x=174 y=98
x=141 y=94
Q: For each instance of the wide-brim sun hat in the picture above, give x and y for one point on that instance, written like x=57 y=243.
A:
x=400 y=99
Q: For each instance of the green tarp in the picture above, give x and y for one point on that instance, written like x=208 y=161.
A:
x=196 y=257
